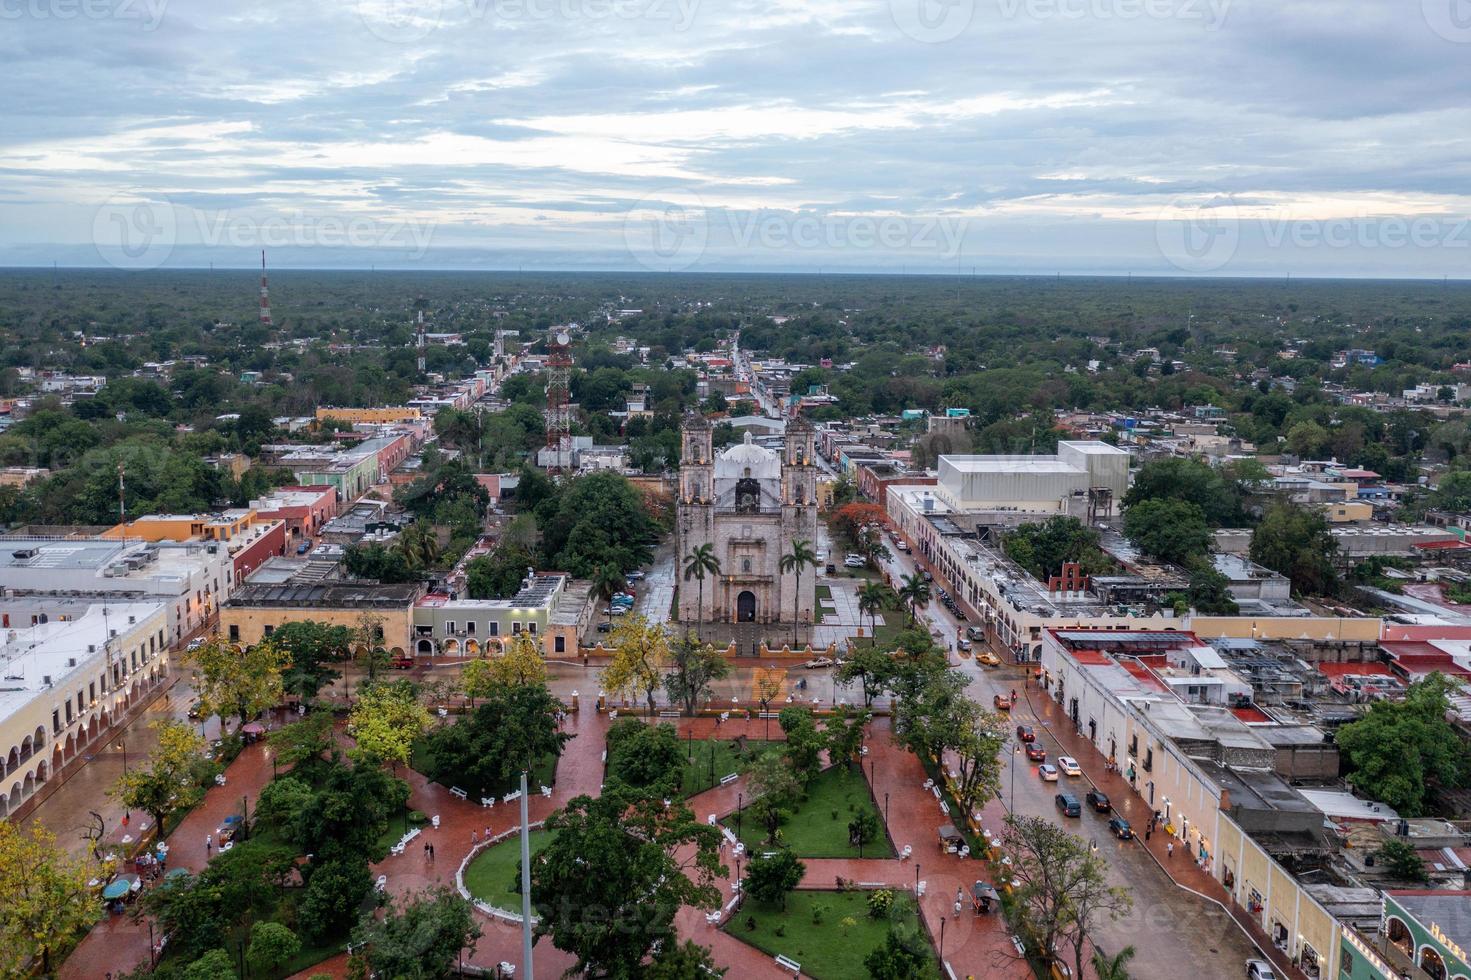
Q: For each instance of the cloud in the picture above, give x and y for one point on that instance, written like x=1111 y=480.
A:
x=540 y=125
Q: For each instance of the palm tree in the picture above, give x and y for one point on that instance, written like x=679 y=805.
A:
x=793 y=562
x=606 y=580
x=915 y=593
x=1113 y=968
x=419 y=544
x=872 y=597
x=701 y=561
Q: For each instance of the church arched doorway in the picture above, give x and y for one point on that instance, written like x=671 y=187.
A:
x=746 y=607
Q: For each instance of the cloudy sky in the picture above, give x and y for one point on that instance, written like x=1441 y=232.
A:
x=1221 y=137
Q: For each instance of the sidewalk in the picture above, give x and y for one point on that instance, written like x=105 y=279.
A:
x=1184 y=872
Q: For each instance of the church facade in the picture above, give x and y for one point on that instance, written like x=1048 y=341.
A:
x=750 y=503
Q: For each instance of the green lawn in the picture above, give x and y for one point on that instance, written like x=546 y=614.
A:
x=812 y=831
x=696 y=777
x=491 y=877
x=825 y=949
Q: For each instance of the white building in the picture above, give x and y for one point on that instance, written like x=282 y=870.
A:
x=71 y=668
x=191 y=579
x=1033 y=484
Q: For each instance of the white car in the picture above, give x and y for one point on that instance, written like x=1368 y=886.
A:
x=1047 y=772
x=1069 y=765
x=853 y=561
x=1260 y=970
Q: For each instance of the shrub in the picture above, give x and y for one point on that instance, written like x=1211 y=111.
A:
x=880 y=902
x=819 y=909
x=417 y=817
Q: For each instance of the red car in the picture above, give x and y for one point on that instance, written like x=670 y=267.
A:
x=1025 y=733
x=1036 y=753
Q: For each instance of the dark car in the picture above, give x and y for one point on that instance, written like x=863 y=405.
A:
x=1120 y=828
x=1025 y=733
x=1068 y=804
x=1099 y=801
x=1036 y=753
x=605 y=627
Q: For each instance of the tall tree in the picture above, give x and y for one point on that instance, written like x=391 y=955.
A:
x=799 y=557
x=170 y=780
x=700 y=562
x=769 y=879
x=1064 y=894
x=694 y=669
x=1297 y=542
x=915 y=594
x=1170 y=530
x=871 y=667
x=874 y=598
x=47 y=900
x=242 y=683
x=311 y=648
x=420 y=936
x=636 y=861
x=1401 y=751
x=386 y=721
x=513 y=730
x=640 y=653
x=775 y=788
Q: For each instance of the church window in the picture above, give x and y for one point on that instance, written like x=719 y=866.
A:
x=746 y=565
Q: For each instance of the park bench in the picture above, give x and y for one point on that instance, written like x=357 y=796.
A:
x=787 y=963
x=456 y=791
x=727 y=780
x=511 y=797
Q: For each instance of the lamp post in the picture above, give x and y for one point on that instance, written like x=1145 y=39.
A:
x=122 y=743
x=740 y=799
x=942 y=941
x=916 y=879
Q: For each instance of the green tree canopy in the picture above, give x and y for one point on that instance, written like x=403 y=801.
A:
x=1296 y=541
x=1191 y=481
x=1401 y=751
x=1169 y=530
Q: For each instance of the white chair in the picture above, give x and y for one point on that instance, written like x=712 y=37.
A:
x=382 y=883
x=487 y=801
x=908 y=850
x=965 y=850
x=546 y=791
x=435 y=820
x=920 y=889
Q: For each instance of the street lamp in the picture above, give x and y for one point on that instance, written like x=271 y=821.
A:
x=740 y=799
x=916 y=879
x=942 y=940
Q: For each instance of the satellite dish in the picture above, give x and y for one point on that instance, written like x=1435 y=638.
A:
x=563 y=339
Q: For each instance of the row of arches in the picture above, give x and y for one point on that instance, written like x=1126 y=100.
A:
x=1427 y=957
x=27 y=765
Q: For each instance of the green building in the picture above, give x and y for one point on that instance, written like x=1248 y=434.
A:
x=1424 y=934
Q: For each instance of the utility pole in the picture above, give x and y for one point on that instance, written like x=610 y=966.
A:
x=525 y=883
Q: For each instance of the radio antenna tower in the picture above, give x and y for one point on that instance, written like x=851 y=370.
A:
x=559 y=417
x=265 y=296
x=419 y=342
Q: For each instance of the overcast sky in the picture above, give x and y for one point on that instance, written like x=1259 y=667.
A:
x=1224 y=137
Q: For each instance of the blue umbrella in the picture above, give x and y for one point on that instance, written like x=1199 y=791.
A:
x=117 y=888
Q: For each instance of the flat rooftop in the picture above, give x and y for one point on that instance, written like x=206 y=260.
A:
x=366 y=595
x=56 y=649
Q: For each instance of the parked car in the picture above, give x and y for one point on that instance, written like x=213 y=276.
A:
x=1001 y=702
x=1098 y=800
x=194 y=710
x=304 y=547
x=818 y=662
x=635 y=576
x=902 y=545
x=854 y=561
x=975 y=632
x=402 y=662
x=962 y=644
x=832 y=569
x=196 y=643
x=1260 y=970
x=1069 y=765
x=1036 y=753
x=1120 y=828
x=1048 y=773
x=1025 y=733
x=615 y=611
x=605 y=627
x=1068 y=804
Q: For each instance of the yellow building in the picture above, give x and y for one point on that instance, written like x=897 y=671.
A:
x=375 y=416
x=1349 y=512
x=255 y=611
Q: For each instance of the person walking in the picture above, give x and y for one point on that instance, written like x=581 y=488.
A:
x=209 y=843
x=1148 y=829
x=426 y=850
x=474 y=837
x=1170 y=850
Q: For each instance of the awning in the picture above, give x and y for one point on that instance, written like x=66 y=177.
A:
x=254 y=728
x=949 y=833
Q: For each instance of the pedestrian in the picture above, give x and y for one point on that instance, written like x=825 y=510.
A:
x=1170 y=849
x=487 y=833
x=426 y=850
x=431 y=852
x=1148 y=829
x=474 y=837
x=209 y=843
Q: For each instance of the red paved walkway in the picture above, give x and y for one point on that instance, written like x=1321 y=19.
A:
x=118 y=943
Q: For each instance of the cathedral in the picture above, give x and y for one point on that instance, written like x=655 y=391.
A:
x=750 y=503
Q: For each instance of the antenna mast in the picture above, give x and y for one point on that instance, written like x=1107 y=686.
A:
x=265 y=297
